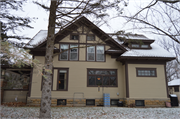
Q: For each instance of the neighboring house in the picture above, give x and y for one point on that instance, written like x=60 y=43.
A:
x=132 y=71
x=174 y=87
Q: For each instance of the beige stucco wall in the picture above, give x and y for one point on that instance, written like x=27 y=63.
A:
x=77 y=81
x=147 y=87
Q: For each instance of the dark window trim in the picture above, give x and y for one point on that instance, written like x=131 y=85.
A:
x=90 y=100
x=74 y=34
x=114 y=100
x=154 y=69
x=176 y=88
x=58 y=78
x=68 y=51
x=102 y=75
x=139 y=100
x=96 y=53
x=91 y=35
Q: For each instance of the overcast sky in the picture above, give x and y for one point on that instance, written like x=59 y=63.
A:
x=41 y=23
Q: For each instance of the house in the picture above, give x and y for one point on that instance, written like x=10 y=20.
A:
x=131 y=70
x=174 y=87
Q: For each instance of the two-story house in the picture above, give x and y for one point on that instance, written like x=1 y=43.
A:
x=131 y=70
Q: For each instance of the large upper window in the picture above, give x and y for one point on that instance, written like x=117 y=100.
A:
x=102 y=77
x=62 y=81
x=95 y=53
x=176 y=89
x=146 y=72
x=69 y=52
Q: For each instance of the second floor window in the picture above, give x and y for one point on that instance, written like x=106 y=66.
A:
x=69 y=52
x=95 y=53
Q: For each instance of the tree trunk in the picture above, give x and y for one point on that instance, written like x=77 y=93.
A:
x=45 y=110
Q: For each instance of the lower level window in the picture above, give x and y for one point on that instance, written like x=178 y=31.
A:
x=62 y=81
x=90 y=101
x=146 y=72
x=139 y=102
x=114 y=101
x=61 y=101
x=102 y=77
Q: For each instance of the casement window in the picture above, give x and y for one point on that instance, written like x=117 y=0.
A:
x=62 y=81
x=95 y=53
x=102 y=77
x=69 y=52
x=176 y=89
x=90 y=37
x=144 y=46
x=146 y=72
x=74 y=37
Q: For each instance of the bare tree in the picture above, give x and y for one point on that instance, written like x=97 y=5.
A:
x=160 y=17
x=63 y=13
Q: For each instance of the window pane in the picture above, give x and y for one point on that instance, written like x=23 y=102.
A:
x=74 y=37
x=152 y=73
x=98 y=80
x=112 y=80
x=62 y=79
x=73 y=56
x=100 y=57
x=100 y=49
x=98 y=72
x=135 y=45
x=91 y=49
x=112 y=72
x=91 y=80
x=105 y=80
x=144 y=46
x=91 y=56
x=64 y=54
x=90 y=37
x=91 y=72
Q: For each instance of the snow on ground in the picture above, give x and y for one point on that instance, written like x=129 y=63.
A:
x=93 y=112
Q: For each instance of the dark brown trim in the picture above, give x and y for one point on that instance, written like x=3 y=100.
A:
x=82 y=43
x=144 y=61
x=127 y=80
x=66 y=79
x=167 y=91
x=174 y=86
x=30 y=82
x=102 y=77
x=150 y=69
x=144 y=58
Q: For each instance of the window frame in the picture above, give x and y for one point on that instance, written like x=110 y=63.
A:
x=151 y=69
x=57 y=88
x=69 y=52
x=102 y=75
x=95 y=60
x=72 y=35
x=143 y=104
x=140 y=46
x=90 y=100
x=90 y=52
x=90 y=35
x=114 y=100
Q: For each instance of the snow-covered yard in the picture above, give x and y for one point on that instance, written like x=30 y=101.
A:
x=93 y=112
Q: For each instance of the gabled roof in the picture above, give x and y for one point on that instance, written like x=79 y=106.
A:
x=175 y=82
x=40 y=39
